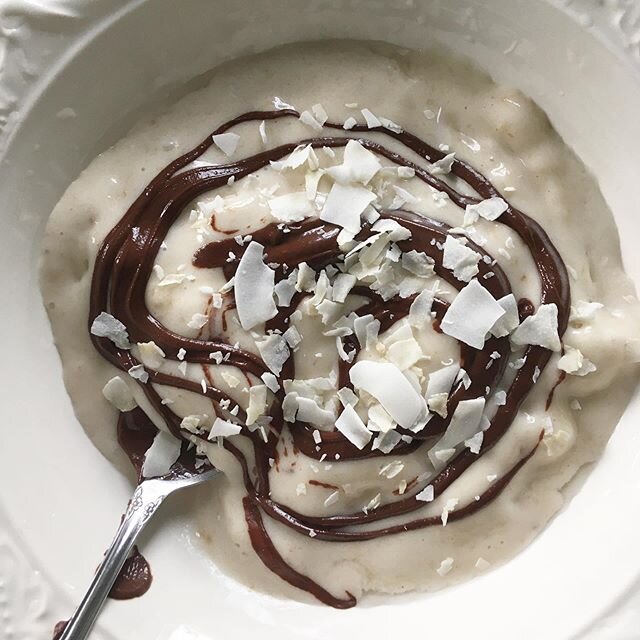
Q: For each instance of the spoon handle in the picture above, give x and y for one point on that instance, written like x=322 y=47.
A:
x=147 y=498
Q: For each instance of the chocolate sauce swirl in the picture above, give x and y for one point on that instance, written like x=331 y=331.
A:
x=124 y=265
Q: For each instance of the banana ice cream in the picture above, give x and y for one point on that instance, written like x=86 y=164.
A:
x=374 y=288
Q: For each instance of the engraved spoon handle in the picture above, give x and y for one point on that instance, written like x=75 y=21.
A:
x=147 y=498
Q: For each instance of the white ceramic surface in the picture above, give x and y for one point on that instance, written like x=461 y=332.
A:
x=73 y=76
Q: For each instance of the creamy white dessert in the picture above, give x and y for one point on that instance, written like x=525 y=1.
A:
x=372 y=287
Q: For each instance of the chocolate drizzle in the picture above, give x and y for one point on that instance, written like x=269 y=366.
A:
x=124 y=265
x=134 y=578
x=59 y=628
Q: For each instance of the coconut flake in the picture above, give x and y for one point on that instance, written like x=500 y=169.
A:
x=299 y=156
x=584 y=310
x=117 y=392
x=404 y=353
x=254 y=288
x=427 y=494
x=386 y=441
x=474 y=443
x=347 y=397
x=464 y=424
x=574 y=363
x=210 y=206
x=349 y=123
x=360 y=325
x=374 y=503
x=510 y=320
x=227 y=286
x=345 y=204
x=216 y=356
x=401 y=331
x=471 y=315
x=193 y=423
x=311 y=182
x=445 y=566
x=223 y=428
x=320 y=113
x=392 y=469
x=257 y=403
x=306 y=117
x=216 y=300
x=443 y=456
x=151 y=354
x=463 y=377
x=420 y=310
x=406 y=172
x=462 y=260
x=358 y=165
x=291 y=207
x=352 y=428
x=386 y=383
x=161 y=455
x=138 y=373
x=490 y=209
x=270 y=381
x=198 y=320
x=231 y=379
x=390 y=124
x=379 y=419
x=329 y=311
x=280 y=104
x=394 y=230
x=306 y=280
x=403 y=197
x=444 y=165
x=262 y=129
x=449 y=506
x=226 y=142
x=274 y=351
x=500 y=398
x=342 y=284
x=504 y=253
x=106 y=326
x=371 y=120
x=286 y=289
x=540 y=329
x=437 y=403
x=418 y=263
x=292 y=336
x=174 y=278
x=370 y=251
x=343 y=355
x=332 y=499
x=290 y=406
x=321 y=290
x=158 y=271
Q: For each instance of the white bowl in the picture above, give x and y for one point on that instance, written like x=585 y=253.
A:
x=74 y=75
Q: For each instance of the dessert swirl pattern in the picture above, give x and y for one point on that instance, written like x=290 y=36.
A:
x=124 y=266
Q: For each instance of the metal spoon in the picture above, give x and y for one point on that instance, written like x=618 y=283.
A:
x=146 y=499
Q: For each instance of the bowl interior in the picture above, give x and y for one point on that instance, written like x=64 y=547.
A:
x=119 y=60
